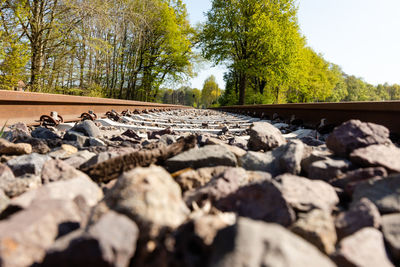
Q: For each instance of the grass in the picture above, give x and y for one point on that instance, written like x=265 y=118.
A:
x=2 y=129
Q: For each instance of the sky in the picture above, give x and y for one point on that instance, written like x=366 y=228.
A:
x=361 y=36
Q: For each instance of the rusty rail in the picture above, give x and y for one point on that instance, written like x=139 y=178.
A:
x=28 y=107
x=386 y=113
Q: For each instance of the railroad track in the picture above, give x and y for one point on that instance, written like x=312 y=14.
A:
x=142 y=184
x=28 y=107
x=386 y=113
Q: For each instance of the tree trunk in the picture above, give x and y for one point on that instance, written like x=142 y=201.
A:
x=242 y=87
x=36 y=62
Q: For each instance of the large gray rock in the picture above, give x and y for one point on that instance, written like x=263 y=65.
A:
x=264 y=136
x=8 y=148
x=62 y=190
x=304 y=194
x=79 y=138
x=259 y=201
x=258 y=161
x=88 y=128
x=377 y=156
x=361 y=214
x=284 y=159
x=77 y=159
x=31 y=163
x=318 y=228
x=391 y=232
x=150 y=197
x=111 y=241
x=364 y=248
x=328 y=168
x=55 y=170
x=355 y=134
x=384 y=193
x=254 y=243
x=207 y=156
x=44 y=133
x=25 y=236
x=292 y=155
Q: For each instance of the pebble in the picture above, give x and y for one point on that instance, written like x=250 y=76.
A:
x=8 y=148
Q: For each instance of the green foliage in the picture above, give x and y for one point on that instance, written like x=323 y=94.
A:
x=183 y=96
x=2 y=129
x=121 y=49
x=210 y=92
x=13 y=53
x=256 y=38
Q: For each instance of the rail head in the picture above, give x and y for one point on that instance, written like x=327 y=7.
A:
x=28 y=107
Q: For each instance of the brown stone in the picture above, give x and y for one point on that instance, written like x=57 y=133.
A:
x=218 y=187
x=362 y=213
x=256 y=243
x=55 y=170
x=25 y=236
x=391 y=232
x=109 y=242
x=260 y=201
x=328 y=169
x=9 y=148
x=318 y=228
x=351 y=178
x=377 y=156
x=384 y=193
x=62 y=190
x=355 y=134
x=364 y=248
x=150 y=197
x=191 y=179
x=304 y=194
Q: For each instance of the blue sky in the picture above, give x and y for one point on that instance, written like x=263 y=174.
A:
x=361 y=36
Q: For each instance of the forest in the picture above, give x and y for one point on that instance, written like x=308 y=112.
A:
x=147 y=50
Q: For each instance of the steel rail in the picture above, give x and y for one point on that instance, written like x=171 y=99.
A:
x=27 y=107
x=386 y=113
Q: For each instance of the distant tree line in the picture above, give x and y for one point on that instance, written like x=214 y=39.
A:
x=208 y=96
x=134 y=49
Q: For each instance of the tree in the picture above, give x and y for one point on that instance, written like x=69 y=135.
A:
x=315 y=79
x=256 y=38
x=210 y=92
x=13 y=52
